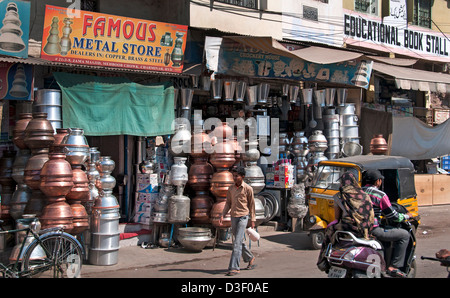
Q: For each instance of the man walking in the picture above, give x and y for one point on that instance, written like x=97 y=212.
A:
x=241 y=204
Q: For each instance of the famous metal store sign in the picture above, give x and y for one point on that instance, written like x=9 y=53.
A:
x=84 y=37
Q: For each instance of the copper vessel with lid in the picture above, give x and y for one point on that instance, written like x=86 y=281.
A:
x=60 y=134
x=19 y=130
x=378 y=145
x=39 y=132
x=80 y=191
x=220 y=182
x=58 y=214
x=201 y=206
x=200 y=174
x=216 y=213
x=224 y=155
x=56 y=177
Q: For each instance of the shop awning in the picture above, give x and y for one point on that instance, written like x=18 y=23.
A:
x=319 y=55
x=414 y=79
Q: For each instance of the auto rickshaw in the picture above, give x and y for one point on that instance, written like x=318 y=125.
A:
x=398 y=185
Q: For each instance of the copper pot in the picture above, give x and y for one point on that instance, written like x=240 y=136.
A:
x=216 y=213
x=200 y=144
x=19 y=130
x=60 y=134
x=378 y=145
x=224 y=155
x=39 y=132
x=200 y=174
x=223 y=132
x=32 y=171
x=80 y=218
x=80 y=191
x=56 y=177
x=220 y=182
x=57 y=214
x=201 y=206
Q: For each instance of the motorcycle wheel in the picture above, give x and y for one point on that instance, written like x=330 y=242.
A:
x=317 y=239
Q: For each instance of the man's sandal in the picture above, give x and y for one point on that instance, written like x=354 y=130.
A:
x=251 y=266
x=233 y=273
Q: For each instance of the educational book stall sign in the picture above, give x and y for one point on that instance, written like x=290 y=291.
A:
x=84 y=37
x=14 y=31
x=393 y=34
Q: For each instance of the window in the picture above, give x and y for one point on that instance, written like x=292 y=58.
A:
x=310 y=13
x=328 y=176
x=422 y=13
x=367 y=6
x=244 y=3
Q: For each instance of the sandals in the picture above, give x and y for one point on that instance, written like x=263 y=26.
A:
x=251 y=266
x=396 y=273
x=233 y=273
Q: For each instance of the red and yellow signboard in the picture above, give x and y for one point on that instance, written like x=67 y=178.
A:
x=91 y=38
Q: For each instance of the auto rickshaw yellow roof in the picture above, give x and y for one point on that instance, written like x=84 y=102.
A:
x=379 y=162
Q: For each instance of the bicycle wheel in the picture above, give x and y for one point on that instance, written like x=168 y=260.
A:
x=56 y=255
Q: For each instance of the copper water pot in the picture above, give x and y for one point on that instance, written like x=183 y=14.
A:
x=39 y=132
x=200 y=174
x=223 y=132
x=60 y=134
x=80 y=218
x=200 y=144
x=19 y=130
x=80 y=191
x=224 y=155
x=56 y=177
x=32 y=171
x=216 y=213
x=378 y=145
x=220 y=182
x=201 y=206
x=57 y=214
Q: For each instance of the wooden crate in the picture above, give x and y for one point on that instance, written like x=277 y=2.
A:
x=424 y=189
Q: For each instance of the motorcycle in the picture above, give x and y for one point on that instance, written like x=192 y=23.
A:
x=352 y=257
x=444 y=262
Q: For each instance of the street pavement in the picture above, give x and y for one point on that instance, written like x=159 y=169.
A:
x=278 y=254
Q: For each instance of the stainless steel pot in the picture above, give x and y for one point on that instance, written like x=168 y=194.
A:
x=349 y=131
x=178 y=209
x=194 y=238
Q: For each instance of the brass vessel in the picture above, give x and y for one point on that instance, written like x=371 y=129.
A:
x=224 y=155
x=220 y=182
x=201 y=206
x=19 y=130
x=39 y=132
x=378 y=145
x=216 y=212
x=200 y=174
x=56 y=177
x=80 y=191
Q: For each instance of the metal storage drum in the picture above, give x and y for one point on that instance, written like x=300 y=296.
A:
x=178 y=209
x=49 y=101
x=104 y=257
x=347 y=109
x=349 y=119
x=349 y=131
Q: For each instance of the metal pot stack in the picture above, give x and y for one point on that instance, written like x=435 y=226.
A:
x=178 y=204
x=348 y=119
x=317 y=145
x=105 y=235
x=77 y=153
x=331 y=132
x=254 y=176
x=222 y=158
x=299 y=147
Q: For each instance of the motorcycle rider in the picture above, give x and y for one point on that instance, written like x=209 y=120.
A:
x=382 y=206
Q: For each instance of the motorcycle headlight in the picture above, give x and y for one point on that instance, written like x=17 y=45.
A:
x=312 y=219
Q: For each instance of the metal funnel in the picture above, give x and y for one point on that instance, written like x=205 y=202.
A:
x=293 y=93
x=252 y=95
x=342 y=96
x=241 y=88
x=329 y=98
x=307 y=95
x=186 y=98
x=230 y=88
x=217 y=85
x=320 y=97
